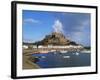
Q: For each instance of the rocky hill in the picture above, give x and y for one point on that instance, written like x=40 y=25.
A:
x=55 y=38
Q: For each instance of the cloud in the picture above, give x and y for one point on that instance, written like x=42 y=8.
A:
x=82 y=34
x=81 y=26
x=31 y=20
x=58 y=27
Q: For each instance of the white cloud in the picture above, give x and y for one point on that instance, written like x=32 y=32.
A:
x=58 y=27
x=79 y=35
x=82 y=25
x=30 y=20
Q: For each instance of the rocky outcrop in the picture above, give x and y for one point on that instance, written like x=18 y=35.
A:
x=55 y=38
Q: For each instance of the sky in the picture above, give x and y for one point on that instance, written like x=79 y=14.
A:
x=38 y=24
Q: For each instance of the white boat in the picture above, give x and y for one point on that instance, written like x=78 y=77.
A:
x=77 y=53
x=43 y=57
x=63 y=51
x=53 y=51
x=66 y=56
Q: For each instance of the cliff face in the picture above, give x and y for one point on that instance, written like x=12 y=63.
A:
x=56 y=38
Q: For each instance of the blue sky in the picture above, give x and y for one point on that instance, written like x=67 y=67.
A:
x=75 y=26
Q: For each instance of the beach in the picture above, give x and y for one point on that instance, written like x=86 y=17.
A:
x=27 y=63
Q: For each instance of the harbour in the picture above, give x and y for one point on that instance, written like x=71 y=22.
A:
x=52 y=60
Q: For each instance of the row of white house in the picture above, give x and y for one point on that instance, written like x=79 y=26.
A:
x=50 y=46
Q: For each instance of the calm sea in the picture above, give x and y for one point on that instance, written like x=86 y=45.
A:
x=69 y=59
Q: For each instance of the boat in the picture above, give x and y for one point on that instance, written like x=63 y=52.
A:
x=77 y=53
x=66 y=56
x=52 y=50
x=63 y=51
x=43 y=57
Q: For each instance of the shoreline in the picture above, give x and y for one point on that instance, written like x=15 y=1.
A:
x=48 y=51
x=28 y=64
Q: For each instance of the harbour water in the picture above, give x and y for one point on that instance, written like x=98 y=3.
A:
x=57 y=59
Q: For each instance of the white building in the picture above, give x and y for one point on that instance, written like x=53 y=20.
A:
x=25 y=46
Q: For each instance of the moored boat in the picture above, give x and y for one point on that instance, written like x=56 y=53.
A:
x=63 y=51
